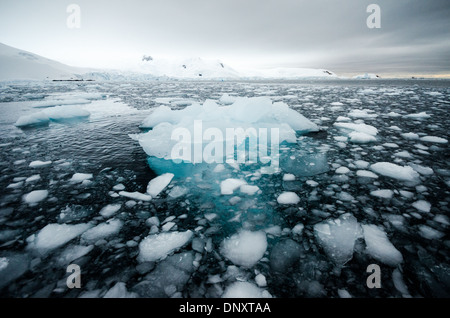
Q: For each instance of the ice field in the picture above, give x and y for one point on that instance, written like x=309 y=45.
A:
x=87 y=178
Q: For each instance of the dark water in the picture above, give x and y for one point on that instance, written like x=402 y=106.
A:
x=101 y=146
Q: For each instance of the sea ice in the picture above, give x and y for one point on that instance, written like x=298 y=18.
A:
x=102 y=231
x=55 y=235
x=422 y=206
x=245 y=290
x=136 y=195
x=80 y=177
x=366 y=174
x=395 y=171
x=434 y=139
x=156 y=185
x=430 y=233
x=35 y=196
x=245 y=248
x=288 y=198
x=385 y=193
x=156 y=247
x=228 y=186
x=337 y=237
x=110 y=210
x=39 y=164
x=379 y=247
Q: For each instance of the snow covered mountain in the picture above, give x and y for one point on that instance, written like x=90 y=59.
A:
x=17 y=64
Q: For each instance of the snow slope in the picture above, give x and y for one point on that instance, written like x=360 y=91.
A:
x=17 y=64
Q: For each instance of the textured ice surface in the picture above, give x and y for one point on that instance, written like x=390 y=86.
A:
x=157 y=246
x=110 y=210
x=55 y=235
x=288 y=198
x=245 y=248
x=337 y=237
x=158 y=184
x=101 y=231
x=245 y=290
x=35 y=196
x=395 y=171
x=379 y=247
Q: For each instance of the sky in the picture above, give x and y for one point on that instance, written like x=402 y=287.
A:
x=413 y=40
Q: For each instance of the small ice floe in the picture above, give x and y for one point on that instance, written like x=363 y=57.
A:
x=35 y=196
x=158 y=246
x=245 y=248
x=379 y=247
x=395 y=171
x=245 y=290
x=288 y=198
x=158 y=184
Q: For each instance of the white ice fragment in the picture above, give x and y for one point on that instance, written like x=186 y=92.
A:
x=80 y=177
x=245 y=290
x=337 y=237
x=158 y=184
x=119 y=290
x=422 y=206
x=363 y=128
x=249 y=189
x=366 y=174
x=101 y=231
x=358 y=137
x=157 y=246
x=136 y=195
x=245 y=248
x=421 y=115
x=110 y=209
x=288 y=198
x=298 y=229
x=410 y=136
x=288 y=177
x=228 y=186
x=55 y=235
x=312 y=183
x=379 y=247
x=40 y=164
x=35 y=196
x=430 y=233
x=342 y=170
x=384 y=193
x=260 y=280
x=119 y=187
x=395 y=171
x=434 y=139
x=33 y=178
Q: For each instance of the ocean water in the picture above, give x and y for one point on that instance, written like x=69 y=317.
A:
x=294 y=263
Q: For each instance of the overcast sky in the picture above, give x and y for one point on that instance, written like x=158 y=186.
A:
x=413 y=38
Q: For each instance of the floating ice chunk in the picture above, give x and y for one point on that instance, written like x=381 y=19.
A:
x=227 y=99
x=110 y=210
x=245 y=290
x=33 y=178
x=430 y=233
x=384 y=194
x=136 y=195
x=399 y=284
x=101 y=231
x=425 y=171
x=312 y=183
x=228 y=186
x=249 y=189
x=80 y=177
x=260 y=280
x=73 y=252
x=66 y=112
x=37 y=119
x=119 y=290
x=342 y=118
x=35 y=196
x=361 y=164
x=390 y=145
x=443 y=219
x=363 y=128
x=406 y=194
x=288 y=177
x=345 y=196
x=396 y=128
x=342 y=170
x=421 y=115
x=245 y=248
x=366 y=174
x=403 y=154
x=410 y=136
x=362 y=113
x=434 y=139
x=119 y=187
x=157 y=246
x=379 y=247
x=288 y=198
x=156 y=185
x=393 y=114
x=361 y=138
x=298 y=229
x=395 y=171
x=337 y=237
x=422 y=206
x=39 y=164
x=55 y=235
x=343 y=293
x=177 y=191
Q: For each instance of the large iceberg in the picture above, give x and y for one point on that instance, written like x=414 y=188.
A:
x=199 y=133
